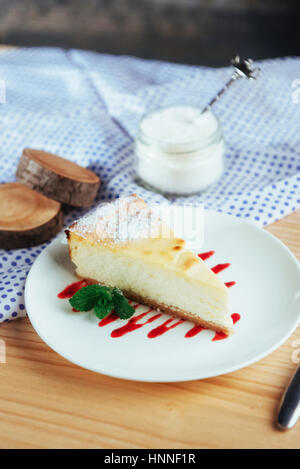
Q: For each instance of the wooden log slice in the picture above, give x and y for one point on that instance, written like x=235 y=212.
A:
x=27 y=218
x=57 y=178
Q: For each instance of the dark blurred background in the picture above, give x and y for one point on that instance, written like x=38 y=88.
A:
x=204 y=32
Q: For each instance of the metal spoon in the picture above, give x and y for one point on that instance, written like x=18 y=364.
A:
x=242 y=69
x=289 y=412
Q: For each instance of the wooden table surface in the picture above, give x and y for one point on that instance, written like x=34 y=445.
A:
x=46 y=402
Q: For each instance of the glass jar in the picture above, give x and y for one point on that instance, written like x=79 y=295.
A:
x=179 y=151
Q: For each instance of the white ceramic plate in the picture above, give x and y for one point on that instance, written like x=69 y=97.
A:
x=266 y=295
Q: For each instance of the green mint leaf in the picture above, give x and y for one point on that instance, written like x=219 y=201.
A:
x=121 y=306
x=103 y=307
x=86 y=298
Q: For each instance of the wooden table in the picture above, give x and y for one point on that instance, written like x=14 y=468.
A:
x=46 y=402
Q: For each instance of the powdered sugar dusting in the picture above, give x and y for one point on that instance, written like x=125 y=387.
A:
x=126 y=219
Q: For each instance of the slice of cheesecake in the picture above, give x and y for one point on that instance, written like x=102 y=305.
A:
x=123 y=244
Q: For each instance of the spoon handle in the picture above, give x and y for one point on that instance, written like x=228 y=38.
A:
x=289 y=411
x=242 y=69
x=234 y=77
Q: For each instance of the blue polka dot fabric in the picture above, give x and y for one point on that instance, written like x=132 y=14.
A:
x=86 y=107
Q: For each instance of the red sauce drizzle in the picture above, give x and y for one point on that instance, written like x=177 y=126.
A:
x=194 y=331
x=132 y=324
x=229 y=284
x=206 y=255
x=219 y=267
x=71 y=289
x=110 y=318
x=235 y=317
x=134 y=306
x=163 y=328
x=220 y=335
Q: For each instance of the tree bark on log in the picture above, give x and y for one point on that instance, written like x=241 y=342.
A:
x=57 y=178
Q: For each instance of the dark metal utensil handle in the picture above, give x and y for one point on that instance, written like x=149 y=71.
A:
x=289 y=412
x=234 y=77
x=242 y=69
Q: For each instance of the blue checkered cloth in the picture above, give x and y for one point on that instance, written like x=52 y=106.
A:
x=86 y=107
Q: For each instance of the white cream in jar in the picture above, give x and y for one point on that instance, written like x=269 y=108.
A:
x=179 y=151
